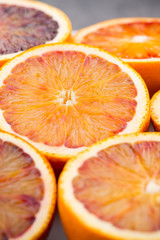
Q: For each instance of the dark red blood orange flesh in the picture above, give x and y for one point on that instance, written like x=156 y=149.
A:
x=21 y=190
x=22 y=28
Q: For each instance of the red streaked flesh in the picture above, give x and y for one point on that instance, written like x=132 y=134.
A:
x=24 y=27
x=114 y=186
x=68 y=95
x=136 y=40
x=21 y=191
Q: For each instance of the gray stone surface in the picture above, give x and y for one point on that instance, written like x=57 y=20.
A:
x=85 y=12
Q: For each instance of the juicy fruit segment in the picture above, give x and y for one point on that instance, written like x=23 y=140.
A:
x=21 y=191
x=155 y=111
x=121 y=185
x=136 y=40
x=67 y=95
x=22 y=28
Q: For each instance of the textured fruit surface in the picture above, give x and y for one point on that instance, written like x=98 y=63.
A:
x=64 y=97
x=26 y=24
x=155 y=111
x=23 y=190
x=22 y=28
x=136 y=40
x=116 y=185
x=112 y=190
x=87 y=104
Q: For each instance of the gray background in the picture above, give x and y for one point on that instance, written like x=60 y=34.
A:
x=82 y=13
x=85 y=12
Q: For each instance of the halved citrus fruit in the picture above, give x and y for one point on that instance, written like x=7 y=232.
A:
x=155 y=111
x=63 y=98
x=27 y=190
x=135 y=40
x=25 y=24
x=112 y=190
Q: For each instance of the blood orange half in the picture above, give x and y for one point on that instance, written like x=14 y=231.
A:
x=25 y=24
x=112 y=190
x=155 y=111
x=27 y=190
x=63 y=98
x=135 y=40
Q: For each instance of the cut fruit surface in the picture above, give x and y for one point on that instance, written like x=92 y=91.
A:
x=25 y=24
x=135 y=40
x=155 y=111
x=65 y=97
x=27 y=190
x=112 y=190
x=130 y=39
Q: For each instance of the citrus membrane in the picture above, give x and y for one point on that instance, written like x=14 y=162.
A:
x=64 y=97
x=155 y=111
x=125 y=178
x=25 y=24
x=23 y=190
x=135 y=39
x=112 y=190
x=67 y=110
x=24 y=27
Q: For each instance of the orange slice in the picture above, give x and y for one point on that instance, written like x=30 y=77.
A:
x=112 y=190
x=25 y=24
x=135 y=40
x=155 y=111
x=27 y=190
x=63 y=98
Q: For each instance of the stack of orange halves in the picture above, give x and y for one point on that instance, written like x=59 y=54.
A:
x=63 y=101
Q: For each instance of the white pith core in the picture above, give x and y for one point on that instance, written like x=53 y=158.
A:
x=67 y=97
x=139 y=39
x=153 y=187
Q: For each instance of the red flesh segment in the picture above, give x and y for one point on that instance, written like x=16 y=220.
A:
x=22 y=28
x=129 y=40
x=21 y=190
x=69 y=99
x=113 y=185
